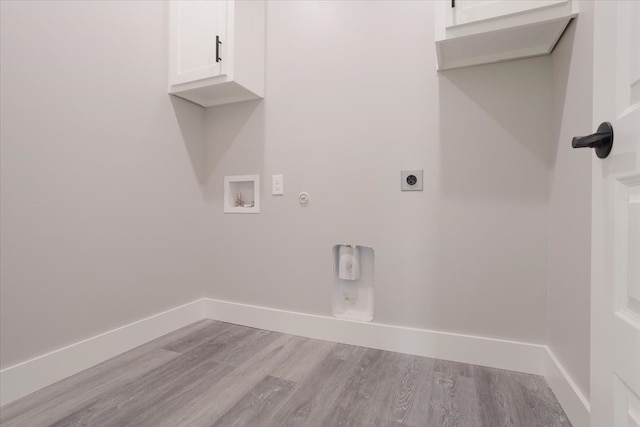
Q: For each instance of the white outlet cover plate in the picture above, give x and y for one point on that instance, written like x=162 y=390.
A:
x=411 y=180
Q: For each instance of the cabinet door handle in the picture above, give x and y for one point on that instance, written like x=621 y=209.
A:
x=218 y=43
x=453 y=3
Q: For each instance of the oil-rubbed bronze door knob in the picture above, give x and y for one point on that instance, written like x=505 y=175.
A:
x=602 y=140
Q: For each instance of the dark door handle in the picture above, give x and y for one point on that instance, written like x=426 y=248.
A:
x=218 y=43
x=602 y=140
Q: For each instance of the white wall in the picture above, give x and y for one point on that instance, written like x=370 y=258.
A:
x=101 y=214
x=102 y=219
x=352 y=97
x=568 y=297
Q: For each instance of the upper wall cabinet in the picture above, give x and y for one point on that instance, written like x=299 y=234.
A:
x=216 y=50
x=472 y=32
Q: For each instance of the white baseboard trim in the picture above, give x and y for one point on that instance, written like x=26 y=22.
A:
x=19 y=380
x=29 y=376
x=495 y=353
x=574 y=403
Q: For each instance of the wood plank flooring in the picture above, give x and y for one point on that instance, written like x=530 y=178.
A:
x=218 y=374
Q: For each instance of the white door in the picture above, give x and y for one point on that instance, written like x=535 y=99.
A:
x=466 y=11
x=197 y=39
x=615 y=293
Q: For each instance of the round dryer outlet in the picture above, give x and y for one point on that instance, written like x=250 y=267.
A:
x=411 y=180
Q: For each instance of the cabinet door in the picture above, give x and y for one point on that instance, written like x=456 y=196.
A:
x=468 y=11
x=197 y=42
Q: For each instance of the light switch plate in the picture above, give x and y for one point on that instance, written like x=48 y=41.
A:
x=277 y=185
x=411 y=180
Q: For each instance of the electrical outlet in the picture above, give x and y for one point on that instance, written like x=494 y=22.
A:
x=411 y=180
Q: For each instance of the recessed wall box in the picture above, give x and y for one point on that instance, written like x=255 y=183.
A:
x=353 y=282
x=242 y=194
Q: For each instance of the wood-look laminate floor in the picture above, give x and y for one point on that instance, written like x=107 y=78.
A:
x=218 y=374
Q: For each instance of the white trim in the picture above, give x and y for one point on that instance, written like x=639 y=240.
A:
x=23 y=378
x=26 y=377
x=574 y=403
x=495 y=353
